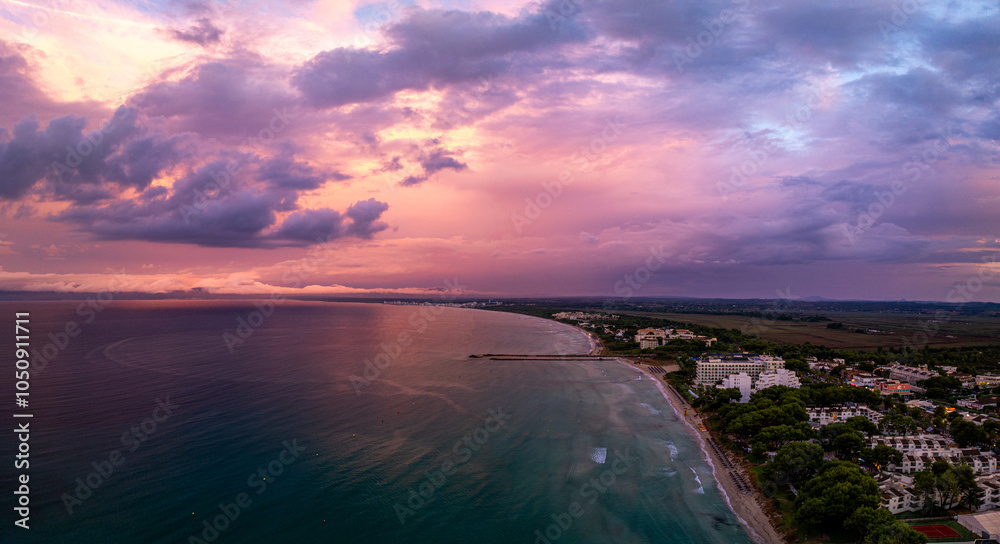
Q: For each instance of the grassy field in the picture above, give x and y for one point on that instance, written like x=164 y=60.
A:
x=894 y=330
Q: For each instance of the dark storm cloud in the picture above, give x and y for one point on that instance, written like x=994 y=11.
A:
x=364 y=215
x=284 y=172
x=120 y=152
x=209 y=208
x=429 y=49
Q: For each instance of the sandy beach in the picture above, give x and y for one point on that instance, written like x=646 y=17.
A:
x=746 y=507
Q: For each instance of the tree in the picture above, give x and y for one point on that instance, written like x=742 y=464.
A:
x=898 y=424
x=923 y=483
x=832 y=430
x=940 y=382
x=848 y=445
x=881 y=456
x=939 y=467
x=837 y=490
x=966 y=433
x=948 y=488
x=862 y=425
x=770 y=438
x=864 y=520
x=895 y=532
x=798 y=365
x=973 y=498
x=794 y=463
x=939 y=411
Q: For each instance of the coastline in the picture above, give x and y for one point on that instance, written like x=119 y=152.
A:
x=746 y=507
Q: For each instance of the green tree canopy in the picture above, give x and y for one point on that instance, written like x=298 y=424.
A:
x=837 y=490
x=794 y=463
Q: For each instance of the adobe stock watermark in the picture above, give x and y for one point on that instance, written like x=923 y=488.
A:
x=294 y=278
x=76 y=154
x=706 y=38
x=229 y=512
x=245 y=326
x=960 y=293
x=558 y=15
x=381 y=17
x=632 y=283
x=901 y=13
x=884 y=200
x=222 y=178
x=388 y=353
x=39 y=19
x=461 y=114
x=562 y=522
x=462 y=451
x=552 y=190
x=88 y=311
x=104 y=469
x=758 y=325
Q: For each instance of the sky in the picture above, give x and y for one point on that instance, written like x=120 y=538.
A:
x=846 y=150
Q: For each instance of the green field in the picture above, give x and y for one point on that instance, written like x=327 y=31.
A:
x=895 y=330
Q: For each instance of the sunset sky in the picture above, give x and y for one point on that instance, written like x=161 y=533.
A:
x=844 y=150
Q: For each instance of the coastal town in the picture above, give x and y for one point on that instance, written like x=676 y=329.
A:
x=888 y=450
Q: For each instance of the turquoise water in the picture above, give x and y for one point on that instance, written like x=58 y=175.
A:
x=276 y=442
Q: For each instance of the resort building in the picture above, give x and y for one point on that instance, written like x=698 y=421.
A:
x=921 y=451
x=897 y=493
x=746 y=385
x=909 y=374
x=739 y=381
x=893 y=387
x=714 y=368
x=924 y=405
x=819 y=416
x=918 y=444
x=987 y=380
x=978 y=404
x=652 y=338
x=968 y=380
x=862 y=379
x=582 y=316
x=781 y=376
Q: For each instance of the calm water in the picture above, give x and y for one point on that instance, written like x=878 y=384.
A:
x=581 y=452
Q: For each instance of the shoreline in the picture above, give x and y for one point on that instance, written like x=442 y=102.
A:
x=746 y=507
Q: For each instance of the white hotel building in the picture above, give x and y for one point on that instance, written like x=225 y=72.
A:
x=909 y=374
x=715 y=369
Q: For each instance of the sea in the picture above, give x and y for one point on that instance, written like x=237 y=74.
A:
x=315 y=422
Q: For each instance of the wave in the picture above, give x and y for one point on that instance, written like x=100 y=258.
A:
x=599 y=455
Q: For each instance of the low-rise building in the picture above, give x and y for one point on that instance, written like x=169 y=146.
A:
x=924 y=405
x=909 y=374
x=780 y=376
x=921 y=451
x=987 y=380
x=862 y=379
x=968 y=380
x=892 y=387
x=653 y=338
x=824 y=415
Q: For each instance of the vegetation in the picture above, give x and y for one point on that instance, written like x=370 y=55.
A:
x=838 y=498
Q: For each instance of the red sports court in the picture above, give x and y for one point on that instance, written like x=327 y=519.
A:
x=936 y=531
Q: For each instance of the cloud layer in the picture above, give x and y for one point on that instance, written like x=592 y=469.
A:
x=753 y=143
